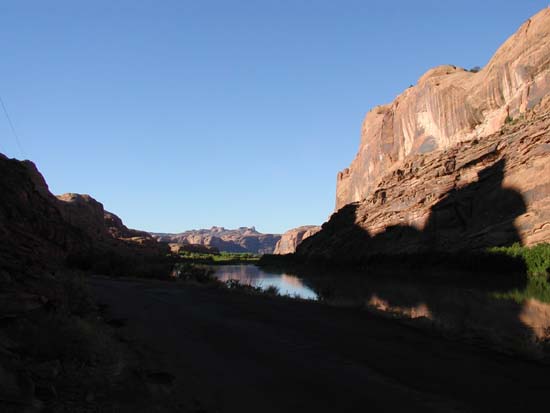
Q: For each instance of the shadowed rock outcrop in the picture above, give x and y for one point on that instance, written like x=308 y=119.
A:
x=52 y=342
x=450 y=105
x=40 y=231
x=34 y=232
x=292 y=238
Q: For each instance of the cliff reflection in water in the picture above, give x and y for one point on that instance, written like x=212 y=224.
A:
x=509 y=316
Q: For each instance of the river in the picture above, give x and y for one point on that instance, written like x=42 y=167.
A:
x=287 y=284
x=510 y=314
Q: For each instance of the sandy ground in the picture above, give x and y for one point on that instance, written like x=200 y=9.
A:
x=231 y=352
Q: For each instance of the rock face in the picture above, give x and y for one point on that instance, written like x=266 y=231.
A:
x=40 y=231
x=86 y=213
x=450 y=105
x=292 y=238
x=483 y=192
x=193 y=248
x=461 y=161
x=242 y=239
x=117 y=229
x=33 y=230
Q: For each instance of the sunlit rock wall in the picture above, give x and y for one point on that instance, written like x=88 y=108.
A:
x=450 y=105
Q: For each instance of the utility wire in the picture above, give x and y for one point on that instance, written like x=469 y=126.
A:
x=16 y=136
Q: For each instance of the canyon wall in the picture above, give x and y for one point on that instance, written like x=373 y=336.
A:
x=488 y=192
x=450 y=105
x=292 y=238
x=42 y=232
x=460 y=161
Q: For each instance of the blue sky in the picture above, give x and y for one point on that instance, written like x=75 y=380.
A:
x=188 y=114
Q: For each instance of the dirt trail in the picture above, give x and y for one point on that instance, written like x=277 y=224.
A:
x=231 y=352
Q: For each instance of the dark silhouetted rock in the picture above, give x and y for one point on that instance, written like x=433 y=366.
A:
x=42 y=232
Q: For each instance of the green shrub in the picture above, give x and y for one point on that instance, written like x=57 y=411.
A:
x=536 y=258
x=221 y=258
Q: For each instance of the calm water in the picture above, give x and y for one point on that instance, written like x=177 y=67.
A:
x=287 y=284
x=513 y=314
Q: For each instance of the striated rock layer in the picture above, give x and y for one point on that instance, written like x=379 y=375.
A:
x=292 y=238
x=450 y=105
x=483 y=192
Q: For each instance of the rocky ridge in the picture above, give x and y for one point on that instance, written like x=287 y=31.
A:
x=450 y=105
x=41 y=231
x=240 y=240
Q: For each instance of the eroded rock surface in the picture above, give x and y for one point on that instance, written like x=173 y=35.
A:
x=479 y=193
x=292 y=238
x=450 y=105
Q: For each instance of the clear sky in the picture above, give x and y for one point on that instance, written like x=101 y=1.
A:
x=187 y=114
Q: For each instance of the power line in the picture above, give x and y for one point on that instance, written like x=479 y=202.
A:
x=12 y=128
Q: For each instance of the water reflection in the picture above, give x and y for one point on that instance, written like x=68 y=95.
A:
x=511 y=314
x=287 y=284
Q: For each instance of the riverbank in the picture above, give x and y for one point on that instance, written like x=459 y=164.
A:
x=231 y=352
x=492 y=264
x=222 y=258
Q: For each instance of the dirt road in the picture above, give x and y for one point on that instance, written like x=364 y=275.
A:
x=231 y=352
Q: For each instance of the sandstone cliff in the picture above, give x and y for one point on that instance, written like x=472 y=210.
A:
x=242 y=239
x=33 y=231
x=52 y=340
x=292 y=238
x=40 y=231
x=483 y=192
x=450 y=105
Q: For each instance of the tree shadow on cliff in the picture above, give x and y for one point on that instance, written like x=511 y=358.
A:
x=443 y=271
x=456 y=236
